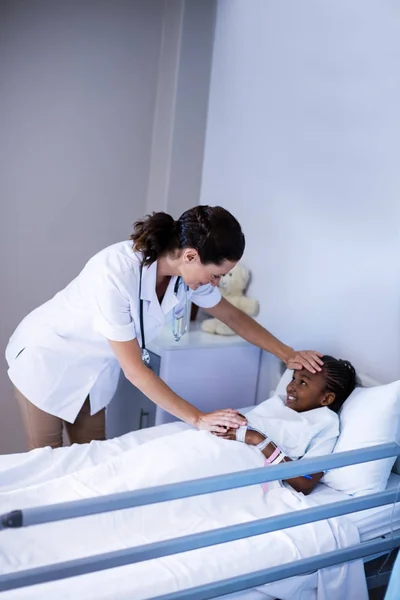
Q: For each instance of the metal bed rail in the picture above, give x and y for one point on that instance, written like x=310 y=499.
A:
x=299 y=567
x=45 y=514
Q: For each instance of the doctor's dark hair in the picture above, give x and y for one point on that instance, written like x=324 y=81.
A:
x=340 y=378
x=211 y=230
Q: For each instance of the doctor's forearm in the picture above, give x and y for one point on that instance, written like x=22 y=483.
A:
x=254 y=333
x=129 y=356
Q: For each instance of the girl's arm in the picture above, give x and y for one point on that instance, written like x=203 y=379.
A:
x=302 y=483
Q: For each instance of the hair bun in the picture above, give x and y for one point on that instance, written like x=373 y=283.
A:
x=154 y=235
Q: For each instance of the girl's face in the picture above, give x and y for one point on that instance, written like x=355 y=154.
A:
x=307 y=391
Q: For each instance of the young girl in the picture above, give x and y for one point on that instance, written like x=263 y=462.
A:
x=303 y=424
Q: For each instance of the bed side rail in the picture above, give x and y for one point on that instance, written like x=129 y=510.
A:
x=164 y=493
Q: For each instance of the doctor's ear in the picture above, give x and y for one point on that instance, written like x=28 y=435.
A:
x=190 y=255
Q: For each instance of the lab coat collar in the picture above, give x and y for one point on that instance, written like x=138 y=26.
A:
x=149 y=293
x=170 y=300
x=149 y=277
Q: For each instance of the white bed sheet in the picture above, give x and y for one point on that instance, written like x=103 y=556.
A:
x=19 y=470
x=371 y=523
x=45 y=464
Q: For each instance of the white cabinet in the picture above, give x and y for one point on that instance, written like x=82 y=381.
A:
x=209 y=371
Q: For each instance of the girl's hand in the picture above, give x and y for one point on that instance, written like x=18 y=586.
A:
x=220 y=421
x=252 y=437
x=228 y=434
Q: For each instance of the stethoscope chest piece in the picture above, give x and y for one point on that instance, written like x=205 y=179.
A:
x=145 y=357
x=180 y=320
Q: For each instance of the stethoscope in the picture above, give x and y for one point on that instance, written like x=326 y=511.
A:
x=180 y=320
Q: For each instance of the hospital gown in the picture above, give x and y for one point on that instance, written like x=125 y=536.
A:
x=298 y=434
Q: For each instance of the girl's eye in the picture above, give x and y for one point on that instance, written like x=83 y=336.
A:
x=303 y=382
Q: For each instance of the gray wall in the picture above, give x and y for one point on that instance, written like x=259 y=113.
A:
x=182 y=102
x=78 y=89
x=190 y=119
x=303 y=145
x=103 y=109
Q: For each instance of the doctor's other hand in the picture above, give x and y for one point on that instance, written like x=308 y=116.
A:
x=219 y=421
x=305 y=359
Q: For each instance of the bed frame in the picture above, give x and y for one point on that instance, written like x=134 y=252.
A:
x=68 y=510
x=382 y=546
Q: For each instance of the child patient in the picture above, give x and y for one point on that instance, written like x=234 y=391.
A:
x=303 y=424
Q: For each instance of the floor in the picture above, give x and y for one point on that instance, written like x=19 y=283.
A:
x=377 y=594
x=380 y=565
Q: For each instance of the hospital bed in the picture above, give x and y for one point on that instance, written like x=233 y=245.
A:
x=379 y=526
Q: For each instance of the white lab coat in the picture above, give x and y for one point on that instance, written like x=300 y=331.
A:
x=59 y=353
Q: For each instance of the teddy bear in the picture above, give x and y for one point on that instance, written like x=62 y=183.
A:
x=232 y=287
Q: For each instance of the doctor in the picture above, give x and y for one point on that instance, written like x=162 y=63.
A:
x=65 y=357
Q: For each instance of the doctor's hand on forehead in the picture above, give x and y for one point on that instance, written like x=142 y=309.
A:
x=305 y=359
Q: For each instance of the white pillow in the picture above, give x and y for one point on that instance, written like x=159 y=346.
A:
x=283 y=382
x=370 y=416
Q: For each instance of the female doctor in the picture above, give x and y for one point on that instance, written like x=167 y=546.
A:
x=65 y=357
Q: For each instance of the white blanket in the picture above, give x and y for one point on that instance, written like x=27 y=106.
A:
x=179 y=457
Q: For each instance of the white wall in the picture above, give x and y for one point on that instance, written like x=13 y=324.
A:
x=181 y=108
x=77 y=87
x=303 y=145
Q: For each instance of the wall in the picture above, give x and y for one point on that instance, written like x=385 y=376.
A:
x=78 y=90
x=303 y=145
x=181 y=109
x=103 y=118
x=190 y=117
